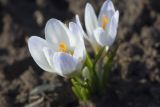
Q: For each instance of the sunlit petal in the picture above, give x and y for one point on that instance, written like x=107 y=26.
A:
x=65 y=64
x=81 y=29
x=35 y=45
x=91 y=21
x=113 y=25
x=107 y=10
x=56 y=32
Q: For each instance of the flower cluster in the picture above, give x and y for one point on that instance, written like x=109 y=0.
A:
x=63 y=50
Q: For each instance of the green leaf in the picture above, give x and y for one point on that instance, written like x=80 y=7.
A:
x=108 y=66
x=88 y=62
x=98 y=56
x=76 y=93
x=85 y=94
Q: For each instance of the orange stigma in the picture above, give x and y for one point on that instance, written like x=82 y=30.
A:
x=62 y=47
x=104 y=21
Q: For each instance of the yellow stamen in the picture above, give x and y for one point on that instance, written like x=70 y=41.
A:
x=62 y=47
x=104 y=21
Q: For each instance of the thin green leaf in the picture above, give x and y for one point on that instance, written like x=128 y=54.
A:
x=76 y=93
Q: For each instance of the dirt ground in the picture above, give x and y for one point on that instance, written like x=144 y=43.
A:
x=134 y=80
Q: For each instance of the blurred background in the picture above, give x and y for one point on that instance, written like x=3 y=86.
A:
x=134 y=80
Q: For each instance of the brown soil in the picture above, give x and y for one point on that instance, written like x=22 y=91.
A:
x=135 y=77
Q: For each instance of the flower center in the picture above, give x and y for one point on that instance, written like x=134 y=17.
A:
x=62 y=47
x=104 y=21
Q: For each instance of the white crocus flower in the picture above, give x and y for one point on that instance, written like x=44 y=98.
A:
x=62 y=51
x=101 y=31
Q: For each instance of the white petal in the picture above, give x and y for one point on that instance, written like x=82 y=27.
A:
x=108 y=5
x=107 y=27
x=113 y=25
x=80 y=52
x=107 y=37
x=49 y=56
x=56 y=32
x=102 y=37
x=65 y=64
x=75 y=36
x=116 y=17
x=91 y=21
x=107 y=10
x=99 y=36
x=80 y=26
x=91 y=38
x=35 y=45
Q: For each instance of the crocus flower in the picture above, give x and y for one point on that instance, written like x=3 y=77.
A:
x=62 y=51
x=101 y=31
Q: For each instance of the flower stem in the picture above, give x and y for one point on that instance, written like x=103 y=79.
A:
x=108 y=66
x=96 y=78
x=88 y=63
x=98 y=56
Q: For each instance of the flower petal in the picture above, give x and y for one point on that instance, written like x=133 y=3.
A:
x=99 y=36
x=75 y=37
x=108 y=5
x=81 y=29
x=107 y=37
x=65 y=64
x=56 y=32
x=48 y=52
x=91 y=21
x=80 y=52
x=35 y=45
x=107 y=10
x=103 y=38
x=113 y=25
